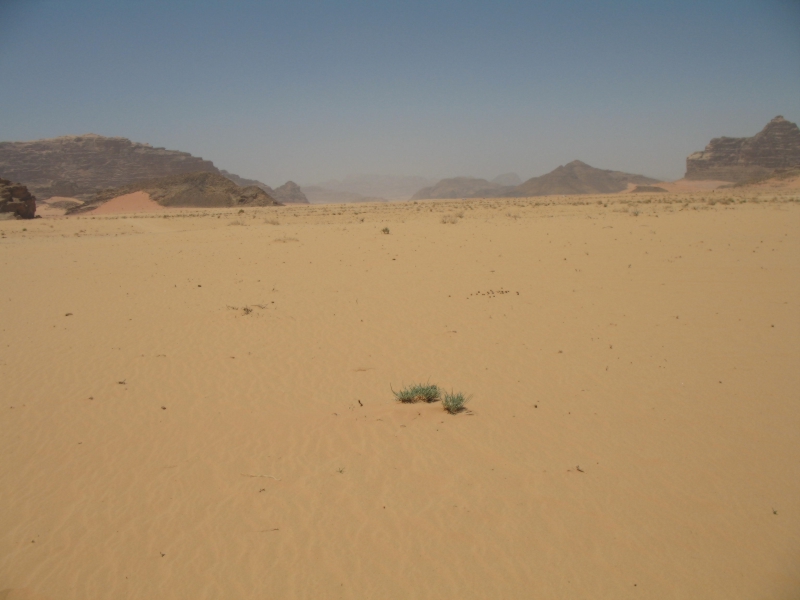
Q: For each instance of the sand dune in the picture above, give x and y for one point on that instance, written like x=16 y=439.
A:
x=128 y=203
x=197 y=404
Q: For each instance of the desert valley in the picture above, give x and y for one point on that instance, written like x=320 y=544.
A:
x=200 y=375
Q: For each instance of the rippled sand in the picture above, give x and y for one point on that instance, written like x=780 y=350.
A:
x=197 y=404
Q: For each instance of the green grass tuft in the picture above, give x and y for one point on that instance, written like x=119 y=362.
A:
x=418 y=393
x=454 y=402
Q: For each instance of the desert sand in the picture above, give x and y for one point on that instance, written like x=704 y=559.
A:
x=197 y=404
x=129 y=203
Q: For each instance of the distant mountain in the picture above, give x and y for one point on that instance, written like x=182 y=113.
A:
x=574 y=178
x=462 y=187
x=507 y=179
x=777 y=146
x=289 y=193
x=202 y=190
x=321 y=195
x=578 y=178
x=390 y=187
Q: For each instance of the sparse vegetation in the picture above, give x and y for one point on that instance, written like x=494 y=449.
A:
x=418 y=393
x=453 y=402
x=449 y=219
x=385 y=230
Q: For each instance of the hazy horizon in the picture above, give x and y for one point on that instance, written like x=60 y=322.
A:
x=314 y=92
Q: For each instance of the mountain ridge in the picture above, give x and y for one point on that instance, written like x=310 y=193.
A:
x=573 y=178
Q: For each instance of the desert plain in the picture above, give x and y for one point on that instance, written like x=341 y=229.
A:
x=198 y=403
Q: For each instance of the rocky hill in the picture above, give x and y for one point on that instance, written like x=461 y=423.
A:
x=15 y=198
x=461 y=187
x=574 y=178
x=80 y=166
x=290 y=193
x=777 y=146
x=578 y=178
x=203 y=189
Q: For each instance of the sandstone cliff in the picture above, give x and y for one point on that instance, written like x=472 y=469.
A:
x=777 y=146
x=15 y=198
x=79 y=166
x=201 y=189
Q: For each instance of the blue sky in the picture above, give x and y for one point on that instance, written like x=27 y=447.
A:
x=317 y=90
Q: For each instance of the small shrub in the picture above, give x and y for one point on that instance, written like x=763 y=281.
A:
x=385 y=230
x=418 y=393
x=271 y=222
x=454 y=402
x=449 y=219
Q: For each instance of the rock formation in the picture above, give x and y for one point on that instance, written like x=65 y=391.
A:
x=15 y=198
x=290 y=193
x=80 y=166
x=578 y=178
x=244 y=182
x=777 y=146
x=203 y=190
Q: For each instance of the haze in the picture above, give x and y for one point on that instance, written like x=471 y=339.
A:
x=317 y=91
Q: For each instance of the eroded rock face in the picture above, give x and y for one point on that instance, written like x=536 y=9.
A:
x=777 y=146
x=15 y=198
x=80 y=166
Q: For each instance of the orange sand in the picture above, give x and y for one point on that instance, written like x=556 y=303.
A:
x=129 y=203
x=213 y=419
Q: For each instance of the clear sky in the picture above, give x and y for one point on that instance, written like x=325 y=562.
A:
x=316 y=90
